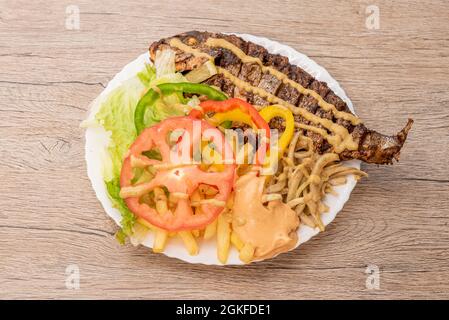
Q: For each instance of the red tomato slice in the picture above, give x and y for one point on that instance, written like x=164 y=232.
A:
x=183 y=179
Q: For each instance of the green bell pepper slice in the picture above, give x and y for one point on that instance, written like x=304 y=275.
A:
x=151 y=96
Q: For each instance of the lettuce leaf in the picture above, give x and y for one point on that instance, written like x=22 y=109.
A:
x=165 y=63
x=162 y=110
x=116 y=115
x=128 y=218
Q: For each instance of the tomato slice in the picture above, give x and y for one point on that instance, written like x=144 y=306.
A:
x=183 y=179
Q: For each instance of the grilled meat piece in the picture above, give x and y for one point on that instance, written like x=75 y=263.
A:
x=373 y=147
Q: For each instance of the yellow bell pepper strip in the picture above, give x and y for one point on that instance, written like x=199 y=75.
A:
x=232 y=115
x=273 y=111
x=229 y=105
x=267 y=114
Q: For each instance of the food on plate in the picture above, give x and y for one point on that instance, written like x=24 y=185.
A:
x=248 y=71
x=162 y=192
x=218 y=140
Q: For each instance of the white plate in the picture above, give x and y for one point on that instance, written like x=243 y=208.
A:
x=97 y=141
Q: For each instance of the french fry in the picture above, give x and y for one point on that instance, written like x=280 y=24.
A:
x=189 y=242
x=230 y=202
x=160 y=236
x=139 y=234
x=160 y=240
x=196 y=233
x=236 y=241
x=223 y=238
x=174 y=197
x=161 y=200
x=247 y=253
x=207 y=190
x=195 y=196
x=210 y=230
x=146 y=224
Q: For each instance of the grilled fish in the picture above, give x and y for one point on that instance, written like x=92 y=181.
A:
x=248 y=71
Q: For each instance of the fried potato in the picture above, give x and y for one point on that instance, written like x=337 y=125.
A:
x=210 y=230
x=236 y=241
x=189 y=242
x=160 y=240
x=146 y=224
x=247 y=253
x=223 y=238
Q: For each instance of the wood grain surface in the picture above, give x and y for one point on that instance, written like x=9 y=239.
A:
x=50 y=218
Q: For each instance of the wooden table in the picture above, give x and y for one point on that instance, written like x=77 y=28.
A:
x=50 y=218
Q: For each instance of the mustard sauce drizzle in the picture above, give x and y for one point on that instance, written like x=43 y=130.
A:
x=213 y=42
x=341 y=139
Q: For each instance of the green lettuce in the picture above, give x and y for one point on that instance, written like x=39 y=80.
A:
x=116 y=115
x=128 y=219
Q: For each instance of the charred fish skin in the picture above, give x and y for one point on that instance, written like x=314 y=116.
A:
x=375 y=147
x=372 y=147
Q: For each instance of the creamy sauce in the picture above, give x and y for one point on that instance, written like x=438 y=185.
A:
x=214 y=42
x=270 y=229
x=340 y=139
